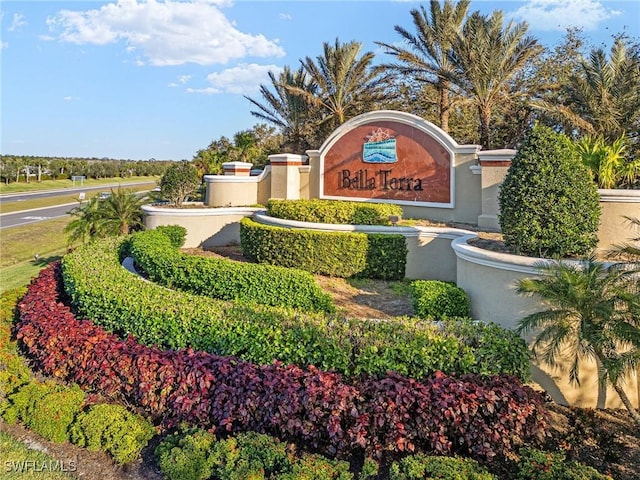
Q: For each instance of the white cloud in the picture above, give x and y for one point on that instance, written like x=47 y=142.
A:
x=17 y=23
x=4 y=45
x=285 y=16
x=245 y=79
x=164 y=32
x=182 y=79
x=69 y=98
x=560 y=14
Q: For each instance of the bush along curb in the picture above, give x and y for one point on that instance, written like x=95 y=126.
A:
x=481 y=417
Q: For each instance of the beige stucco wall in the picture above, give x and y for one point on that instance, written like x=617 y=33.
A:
x=614 y=229
x=489 y=278
x=429 y=256
x=206 y=227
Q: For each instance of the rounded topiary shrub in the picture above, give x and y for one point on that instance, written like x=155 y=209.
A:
x=549 y=206
x=438 y=300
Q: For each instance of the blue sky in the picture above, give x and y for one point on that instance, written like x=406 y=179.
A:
x=140 y=79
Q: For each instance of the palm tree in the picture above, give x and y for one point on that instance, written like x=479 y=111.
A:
x=428 y=55
x=121 y=212
x=346 y=83
x=87 y=224
x=285 y=109
x=487 y=56
x=595 y=315
x=607 y=162
x=603 y=96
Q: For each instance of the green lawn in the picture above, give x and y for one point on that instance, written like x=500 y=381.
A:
x=62 y=184
x=20 y=463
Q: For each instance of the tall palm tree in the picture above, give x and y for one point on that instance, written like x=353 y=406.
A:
x=121 y=212
x=603 y=96
x=487 y=56
x=427 y=56
x=285 y=109
x=346 y=83
x=595 y=314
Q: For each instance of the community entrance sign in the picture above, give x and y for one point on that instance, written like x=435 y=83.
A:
x=388 y=157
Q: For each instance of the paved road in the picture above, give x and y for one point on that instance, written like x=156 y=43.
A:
x=31 y=216
x=20 y=197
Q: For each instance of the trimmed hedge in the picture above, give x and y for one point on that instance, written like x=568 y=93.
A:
x=333 y=211
x=101 y=289
x=225 y=279
x=482 y=417
x=540 y=465
x=339 y=254
x=438 y=300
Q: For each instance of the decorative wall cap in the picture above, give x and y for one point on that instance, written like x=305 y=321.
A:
x=401 y=117
x=237 y=179
x=305 y=168
x=154 y=210
x=502 y=261
x=433 y=232
x=476 y=169
x=237 y=165
x=496 y=158
x=288 y=159
x=619 y=195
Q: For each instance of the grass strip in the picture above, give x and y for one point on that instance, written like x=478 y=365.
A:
x=67 y=183
x=21 y=463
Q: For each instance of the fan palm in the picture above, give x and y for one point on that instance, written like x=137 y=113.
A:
x=346 y=83
x=285 y=109
x=427 y=57
x=595 y=315
x=487 y=56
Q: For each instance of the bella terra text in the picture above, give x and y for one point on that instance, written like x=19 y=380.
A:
x=381 y=179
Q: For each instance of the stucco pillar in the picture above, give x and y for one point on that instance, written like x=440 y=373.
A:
x=285 y=175
x=240 y=169
x=314 y=173
x=494 y=165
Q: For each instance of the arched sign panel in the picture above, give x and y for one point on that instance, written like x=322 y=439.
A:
x=387 y=161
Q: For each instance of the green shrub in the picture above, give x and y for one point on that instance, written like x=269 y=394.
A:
x=495 y=349
x=179 y=181
x=13 y=371
x=102 y=290
x=549 y=206
x=437 y=300
x=46 y=408
x=176 y=234
x=187 y=456
x=340 y=254
x=420 y=466
x=317 y=467
x=249 y=456
x=539 y=465
x=113 y=429
x=226 y=279
x=333 y=211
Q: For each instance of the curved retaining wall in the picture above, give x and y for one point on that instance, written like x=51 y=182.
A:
x=489 y=278
x=430 y=255
x=206 y=227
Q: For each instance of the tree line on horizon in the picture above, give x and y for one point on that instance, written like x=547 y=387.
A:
x=481 y=79
x=28 y=168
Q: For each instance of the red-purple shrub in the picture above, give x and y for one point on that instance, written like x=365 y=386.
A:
x=481 y=417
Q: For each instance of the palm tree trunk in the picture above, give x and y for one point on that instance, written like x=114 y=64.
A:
x=484 y=113
x=445 y=105
x=627 y=403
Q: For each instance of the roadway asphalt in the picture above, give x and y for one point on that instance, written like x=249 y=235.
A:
x=25 y=217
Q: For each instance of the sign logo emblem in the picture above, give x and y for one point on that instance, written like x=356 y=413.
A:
x=380 y=147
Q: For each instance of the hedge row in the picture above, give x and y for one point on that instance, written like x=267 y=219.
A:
x=481 y=417
x=332 y=211
x=339 y=254
x=101 y=289
x=61 y=413
x=225 y=279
